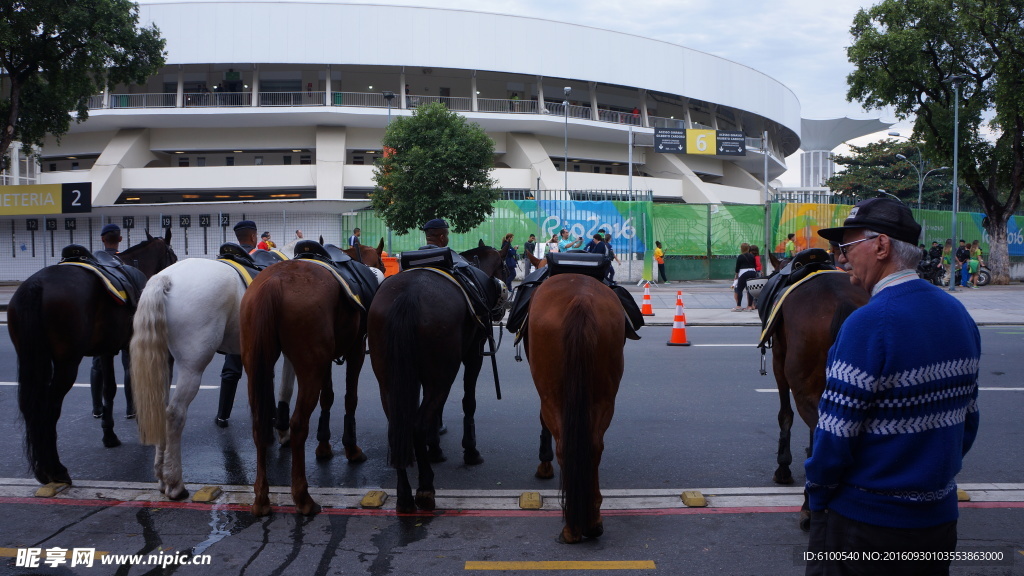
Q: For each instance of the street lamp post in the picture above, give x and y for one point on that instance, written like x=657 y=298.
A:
x=388 y=97
x=920 y=177
x=565 y=161
x=955 y=81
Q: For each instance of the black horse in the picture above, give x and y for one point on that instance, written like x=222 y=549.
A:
x=421 y=329
x=55 y=318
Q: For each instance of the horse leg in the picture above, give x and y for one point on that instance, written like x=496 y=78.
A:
x=323 y=426
x=316 y=377
x=425 y=490
x=545 y=470
x=473 y=363
x=110 y=439
x=405 y=504
x=356 y=358
x=783 y=474
x=48 y=467
x=185 y=390
x=261 y=487
x=284 y=400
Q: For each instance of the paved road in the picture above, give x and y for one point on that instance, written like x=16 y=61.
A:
x=687 y=419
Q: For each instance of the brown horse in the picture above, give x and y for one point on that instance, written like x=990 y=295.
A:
x=809 y=321
x=299 y=309
x=55 y=318
x=421 y=329
x=574 y=340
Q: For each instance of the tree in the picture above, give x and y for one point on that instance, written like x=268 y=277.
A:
x=875 y=166
x=435 y=165
x=907 y=51
x=57 y=53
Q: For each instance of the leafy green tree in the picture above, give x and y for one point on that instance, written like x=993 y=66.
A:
x=906 y=52
x=435 y=165
x=877 y=166
x=57 y=53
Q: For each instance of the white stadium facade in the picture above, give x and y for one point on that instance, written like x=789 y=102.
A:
x=271 y=100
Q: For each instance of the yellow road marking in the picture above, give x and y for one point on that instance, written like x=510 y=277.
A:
x=563 y=565
x=13 y=552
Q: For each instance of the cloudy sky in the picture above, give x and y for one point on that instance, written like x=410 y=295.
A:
x=801 y=43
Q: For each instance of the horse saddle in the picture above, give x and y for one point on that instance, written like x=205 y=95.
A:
x=123 y=282
x=799 y=268
x=356 y=280
x=481 y=291
x=245 y=264
x=593 y=265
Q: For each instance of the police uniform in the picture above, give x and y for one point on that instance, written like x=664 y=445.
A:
x=95 y=372
x=231 y=372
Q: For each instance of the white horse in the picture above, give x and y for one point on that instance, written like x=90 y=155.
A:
x=188 y=312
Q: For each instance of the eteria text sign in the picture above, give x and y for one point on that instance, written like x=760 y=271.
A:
x=69 y=198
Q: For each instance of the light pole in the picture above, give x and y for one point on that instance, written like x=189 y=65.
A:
x=955 y=80
x=388 y=97
x=565 y=162
x=920 y=177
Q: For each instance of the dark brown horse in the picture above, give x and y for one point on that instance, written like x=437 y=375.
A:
x=421 y=329
x=55 y=318
x=299 y=308
x=574 y=339
x=809 y=321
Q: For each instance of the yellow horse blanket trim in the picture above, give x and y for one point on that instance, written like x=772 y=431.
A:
x=344 y=285
x=242 y=271
x=777 y=308
x=457 y=285
x=119 y=294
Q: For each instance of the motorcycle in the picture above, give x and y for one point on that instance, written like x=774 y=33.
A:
x=929 y=269
x=984 y=276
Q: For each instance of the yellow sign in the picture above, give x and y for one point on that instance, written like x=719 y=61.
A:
x=45 y=199
x=701 y=141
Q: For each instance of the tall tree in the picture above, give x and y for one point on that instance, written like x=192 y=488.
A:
x=877 y=166
x=908 y=54
x=57 y=53
x=435 y=165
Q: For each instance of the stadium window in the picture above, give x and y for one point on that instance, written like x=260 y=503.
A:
x=229 y=161
x=182 y=162
x=287 y=160
x=200 y=160
x=305 y=160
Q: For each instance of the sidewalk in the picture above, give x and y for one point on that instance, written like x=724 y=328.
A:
x=710 y=303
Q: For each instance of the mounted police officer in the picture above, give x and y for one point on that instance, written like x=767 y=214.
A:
x=110 y=235
x=231 y=373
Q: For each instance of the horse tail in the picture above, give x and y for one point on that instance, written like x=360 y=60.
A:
x=578 y=374
x=261 y=345
x=403 y=393
x=843 y=310
x=35 y=366
x=151 y=360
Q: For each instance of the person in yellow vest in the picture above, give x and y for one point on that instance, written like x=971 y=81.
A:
x=659 y=257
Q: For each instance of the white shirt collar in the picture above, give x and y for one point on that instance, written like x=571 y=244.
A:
x=894 y=279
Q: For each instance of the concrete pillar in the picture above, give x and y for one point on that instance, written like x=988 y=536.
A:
x=255 y=85
x=472 y=90
x=644 y=120
x=327 y=87
x=401 y=91
x=686 y=113
x=179 y=99
x=593 y=100
x=541 y=107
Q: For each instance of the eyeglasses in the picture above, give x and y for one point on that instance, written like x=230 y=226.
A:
x=843 y=247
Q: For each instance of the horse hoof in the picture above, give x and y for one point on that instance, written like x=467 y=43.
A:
x=355 y=456
x=545 y=471
x=111 y=440
x=567 y=537
x=596 y=531
x=405 y=505
x=260 y=510
x=425 y=500
x=782 y=479
x=182 y=495
x=435 y=455
x=472 y=458
x=310 y=509
x=324 y=452
x=805 y=520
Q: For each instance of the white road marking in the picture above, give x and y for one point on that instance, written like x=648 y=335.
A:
x=119 y=386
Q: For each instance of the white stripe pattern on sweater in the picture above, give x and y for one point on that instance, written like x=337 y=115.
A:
x=844 y=428
x=930 y=373
x=851 y=375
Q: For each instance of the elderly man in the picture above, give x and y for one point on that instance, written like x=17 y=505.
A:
x=899 y=409
x=231 y=373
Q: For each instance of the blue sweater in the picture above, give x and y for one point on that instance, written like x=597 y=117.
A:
x=899 y=410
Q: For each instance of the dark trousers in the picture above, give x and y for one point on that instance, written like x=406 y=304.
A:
x=832 y=532
x=230 y=374
x=96 y=384
x=661 y=273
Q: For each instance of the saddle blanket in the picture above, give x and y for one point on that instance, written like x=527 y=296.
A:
x=119 y=294
x=773 y=317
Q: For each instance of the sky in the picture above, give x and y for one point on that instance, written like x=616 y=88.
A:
x=800 y=43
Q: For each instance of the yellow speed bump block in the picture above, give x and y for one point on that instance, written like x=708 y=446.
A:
x=694 y=499
x=207 y=494
x=374 y=499
x=530 y=501
x=962 y=496
x=51 y=489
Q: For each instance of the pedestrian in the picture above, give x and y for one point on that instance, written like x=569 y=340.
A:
x=592 y=245
x=231 y=372
x=899 y=410
x=947 y=255
x=609 y=254
x=510 y=257
x=975 y=263
x=553 y=244
x=566 y=242
x=265 y=242
x=659 y=257
x=529 y=247
x=353 y=240
x=935 y=251
x=745 y=270
x=963 y=256
x=790 y=250
x=756 y=253
x=110 y=236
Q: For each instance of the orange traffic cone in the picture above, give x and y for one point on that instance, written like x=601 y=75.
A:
x=647 y=309
x=679 y=302
x=678 y=337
